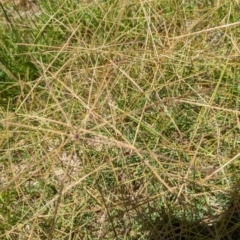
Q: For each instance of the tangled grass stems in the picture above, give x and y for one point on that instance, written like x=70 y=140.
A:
x=119 y=120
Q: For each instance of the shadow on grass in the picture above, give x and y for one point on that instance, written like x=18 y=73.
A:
x=225 y=227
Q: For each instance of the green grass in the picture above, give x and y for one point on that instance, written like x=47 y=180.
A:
x=120 y=120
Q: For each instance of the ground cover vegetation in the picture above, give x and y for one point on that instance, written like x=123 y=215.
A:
x=119 y=119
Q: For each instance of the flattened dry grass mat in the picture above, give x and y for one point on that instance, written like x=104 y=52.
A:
x=119 y=120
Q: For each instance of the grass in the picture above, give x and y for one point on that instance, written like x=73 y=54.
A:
x=120 y=120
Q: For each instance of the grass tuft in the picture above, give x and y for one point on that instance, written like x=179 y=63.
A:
x=119 y=120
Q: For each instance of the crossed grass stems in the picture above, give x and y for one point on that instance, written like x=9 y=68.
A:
x=96 y=132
